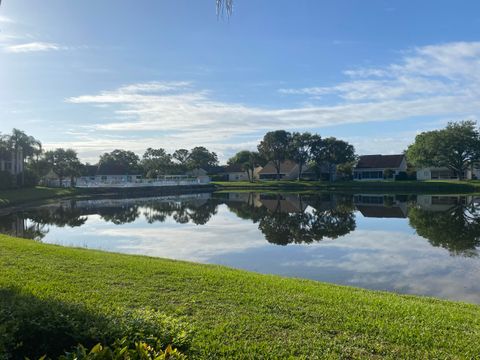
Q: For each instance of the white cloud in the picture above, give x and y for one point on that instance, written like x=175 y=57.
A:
x=6 y=20
x=32 y=47
x=432 y=81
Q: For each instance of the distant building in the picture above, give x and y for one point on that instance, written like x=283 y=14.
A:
x=374 y=167
x=289 y=170
x=12 y=161
x=236 y=173
x=444 y=173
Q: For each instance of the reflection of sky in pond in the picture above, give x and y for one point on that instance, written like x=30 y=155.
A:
x=381 y=253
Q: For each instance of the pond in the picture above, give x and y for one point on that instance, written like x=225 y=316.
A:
x=412 y=244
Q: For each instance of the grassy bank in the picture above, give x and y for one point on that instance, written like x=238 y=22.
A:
x=237 y=314
x=356 y=186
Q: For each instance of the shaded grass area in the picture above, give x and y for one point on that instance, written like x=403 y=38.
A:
x=432 y=186
x=238 y=314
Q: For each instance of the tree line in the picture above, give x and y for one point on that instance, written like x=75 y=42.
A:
x=456 y=147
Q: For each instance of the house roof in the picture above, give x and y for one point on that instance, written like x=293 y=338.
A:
x=380 y=161
x=285 y=167
x=381 y=211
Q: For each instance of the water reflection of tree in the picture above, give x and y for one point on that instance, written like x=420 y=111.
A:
x=16 y=225
x=456 y=229
x=318 y=217
x=119 y=215
x=198 y=213
x=61 y=216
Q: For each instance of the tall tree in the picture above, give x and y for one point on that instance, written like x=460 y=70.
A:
x=29 y=146
x=332 y=152
x=248 y=160
x=181 y=156
x=64 y=162
x=456 y=147
x=301 y=146
x=274 y=147
x=119 y=162
x=156 y=162
x=200 y=157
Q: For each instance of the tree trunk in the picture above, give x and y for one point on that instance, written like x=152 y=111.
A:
x=300 y=171
x=277 y=167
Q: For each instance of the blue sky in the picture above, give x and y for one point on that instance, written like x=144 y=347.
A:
x=99 y=75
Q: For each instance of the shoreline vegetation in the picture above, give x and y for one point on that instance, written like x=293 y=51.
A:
x=210 y=311
x=23 y=196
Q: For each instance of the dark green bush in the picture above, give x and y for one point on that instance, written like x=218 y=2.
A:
x=6 y=180
x=404 y=176
x=31 y=327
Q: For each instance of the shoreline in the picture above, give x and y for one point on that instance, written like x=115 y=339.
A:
x=11 y=200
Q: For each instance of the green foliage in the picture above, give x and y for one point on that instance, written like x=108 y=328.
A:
x=30 y=146
x=248 y=160
x=119 y=162
x=124 y=349
x=64 y=162
x=32 y=327
x=456 y=147
x=200 y=157
x=275 y=147
x=301 y=146
x=157 y=162
x=333 y=152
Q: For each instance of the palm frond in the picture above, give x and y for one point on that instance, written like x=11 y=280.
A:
x=224 y=7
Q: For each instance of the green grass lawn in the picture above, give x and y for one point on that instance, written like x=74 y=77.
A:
x=238 y=314
x=451 y=186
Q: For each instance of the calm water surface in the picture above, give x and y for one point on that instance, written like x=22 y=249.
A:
x=414 y=244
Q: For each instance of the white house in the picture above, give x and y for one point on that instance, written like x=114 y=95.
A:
x=374 y=167
x=444 y=173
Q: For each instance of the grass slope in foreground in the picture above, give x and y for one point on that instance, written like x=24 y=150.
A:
x=238 y=314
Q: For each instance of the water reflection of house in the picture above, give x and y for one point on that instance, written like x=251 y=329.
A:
x=442 y=202
x=283 y=203
x=252 y=199
x=380 y=206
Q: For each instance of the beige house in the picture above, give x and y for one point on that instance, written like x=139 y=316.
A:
x=289 y=170
x=236 y=173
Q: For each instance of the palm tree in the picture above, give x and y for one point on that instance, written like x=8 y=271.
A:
x=223 y=7
x=29 y=146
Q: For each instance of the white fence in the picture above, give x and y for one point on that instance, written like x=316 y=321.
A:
x=167 y=181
